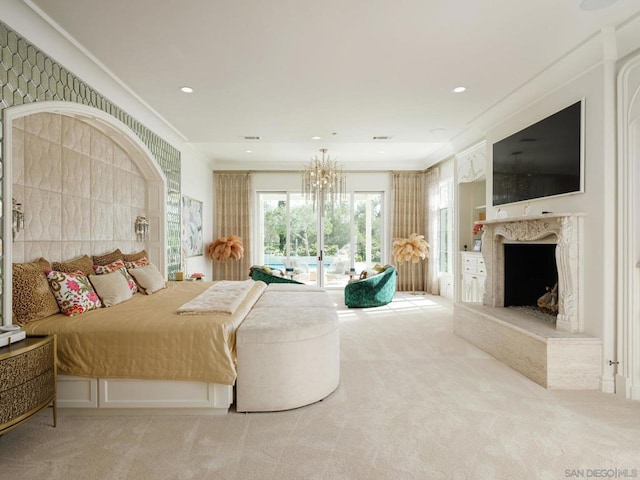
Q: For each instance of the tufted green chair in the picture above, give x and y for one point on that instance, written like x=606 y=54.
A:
x=258 y=273
x=373 y=291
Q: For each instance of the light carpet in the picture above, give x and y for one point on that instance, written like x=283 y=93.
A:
x=415 y=402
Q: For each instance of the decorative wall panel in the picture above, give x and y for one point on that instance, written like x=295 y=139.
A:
x=27 y=75
x=89 y=211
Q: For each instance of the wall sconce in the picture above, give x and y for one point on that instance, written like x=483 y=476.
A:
x=17 y=218
x=141 y=228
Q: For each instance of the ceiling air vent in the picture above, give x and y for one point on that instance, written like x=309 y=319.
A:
x=251 y=138
x=382 y=137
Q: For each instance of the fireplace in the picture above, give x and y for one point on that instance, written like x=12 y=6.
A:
x=564 y=231
x=554 y=356
x=530 y=272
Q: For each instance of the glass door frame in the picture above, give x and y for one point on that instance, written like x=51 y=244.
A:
x=320 y=220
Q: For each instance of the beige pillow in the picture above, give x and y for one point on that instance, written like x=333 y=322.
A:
x=84 y=264
x=112 y=288
x=149 y=278
x=32 y=298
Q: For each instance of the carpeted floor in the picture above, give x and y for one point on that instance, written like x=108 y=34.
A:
x=415 y=402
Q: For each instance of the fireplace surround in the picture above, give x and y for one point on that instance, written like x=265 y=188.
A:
x=560 y=356
x=566 y=229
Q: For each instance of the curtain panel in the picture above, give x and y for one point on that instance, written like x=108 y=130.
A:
x=409 y=217
x=232 y=216
x=415 y=210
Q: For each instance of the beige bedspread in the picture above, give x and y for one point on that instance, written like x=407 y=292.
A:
x=146 y=338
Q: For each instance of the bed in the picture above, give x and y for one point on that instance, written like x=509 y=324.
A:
x=142 y=353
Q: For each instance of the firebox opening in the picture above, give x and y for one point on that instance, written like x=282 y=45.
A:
x=530 y=270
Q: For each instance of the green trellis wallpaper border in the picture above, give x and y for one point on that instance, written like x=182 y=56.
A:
x=28 y=75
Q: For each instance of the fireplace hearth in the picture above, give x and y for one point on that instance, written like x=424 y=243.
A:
x=548 y=249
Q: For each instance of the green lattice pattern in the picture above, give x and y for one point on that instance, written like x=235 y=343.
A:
x=28 y=75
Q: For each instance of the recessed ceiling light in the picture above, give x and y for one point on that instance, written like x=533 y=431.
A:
x=381 y=152
x=316 y=138
x=459 y=89
x=249 y=151
x=596 y=4
x=186 y=89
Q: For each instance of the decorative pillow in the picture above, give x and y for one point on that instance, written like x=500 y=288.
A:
x=84 y=264
x=112 y=288
x=73 y=292
x=132 y=257
x=107 y=258
x=149 y=278
x=117 y=266
x=141 y=262
x=112 y=267
x=32 y=297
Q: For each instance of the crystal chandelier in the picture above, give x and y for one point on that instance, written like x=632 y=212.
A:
x=323 y=179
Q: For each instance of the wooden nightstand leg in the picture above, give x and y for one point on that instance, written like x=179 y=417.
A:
x=55 y=414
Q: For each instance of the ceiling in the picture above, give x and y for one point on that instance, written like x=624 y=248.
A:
x=342 y=70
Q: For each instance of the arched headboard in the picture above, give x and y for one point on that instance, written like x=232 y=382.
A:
x=124 y=140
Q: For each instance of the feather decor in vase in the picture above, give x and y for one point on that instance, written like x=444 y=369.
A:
x=412 y=249
x=223 y=248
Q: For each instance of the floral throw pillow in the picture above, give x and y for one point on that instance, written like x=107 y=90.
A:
x=141 y=262
x=117 y=266
x=73 y=291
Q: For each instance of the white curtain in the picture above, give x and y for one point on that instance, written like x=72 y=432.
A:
x=232 y=216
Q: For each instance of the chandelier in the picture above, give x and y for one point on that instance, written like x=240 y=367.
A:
x=323 y=179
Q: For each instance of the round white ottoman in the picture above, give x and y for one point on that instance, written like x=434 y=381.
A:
x=288 y=352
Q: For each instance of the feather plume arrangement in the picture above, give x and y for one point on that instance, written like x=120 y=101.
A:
x=226 y=247
x=414 y=248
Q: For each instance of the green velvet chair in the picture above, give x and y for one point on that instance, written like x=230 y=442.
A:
x=258 y=273
x=374 y=291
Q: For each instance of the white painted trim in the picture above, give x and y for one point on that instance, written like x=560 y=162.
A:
x=120 y=134
x=628 y=275
x=610 y=54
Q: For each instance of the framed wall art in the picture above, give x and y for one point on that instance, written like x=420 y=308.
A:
x=192 y=237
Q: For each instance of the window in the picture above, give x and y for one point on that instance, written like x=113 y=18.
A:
x=445 y=227
x=351 y=235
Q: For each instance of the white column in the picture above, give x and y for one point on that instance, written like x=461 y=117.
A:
x=610 y=54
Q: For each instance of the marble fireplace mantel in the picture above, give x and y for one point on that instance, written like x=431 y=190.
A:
x=567 y=229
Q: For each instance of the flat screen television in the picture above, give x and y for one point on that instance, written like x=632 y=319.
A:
x=542 y=160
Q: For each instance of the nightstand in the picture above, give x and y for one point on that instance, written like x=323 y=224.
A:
x=27 y=380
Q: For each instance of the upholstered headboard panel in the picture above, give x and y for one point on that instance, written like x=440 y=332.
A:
x=79 y=190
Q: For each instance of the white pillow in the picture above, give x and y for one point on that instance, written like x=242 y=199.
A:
x=112 y=288
x=149 y=278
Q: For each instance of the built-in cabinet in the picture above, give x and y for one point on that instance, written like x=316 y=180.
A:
x=473 y=276
x=471 y=166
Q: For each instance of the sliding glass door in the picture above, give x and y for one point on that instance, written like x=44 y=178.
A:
x=320 y=246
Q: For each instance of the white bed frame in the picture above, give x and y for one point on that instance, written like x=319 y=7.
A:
x=118 y=396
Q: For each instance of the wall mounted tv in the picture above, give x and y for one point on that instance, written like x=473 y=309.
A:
x=542 y=160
